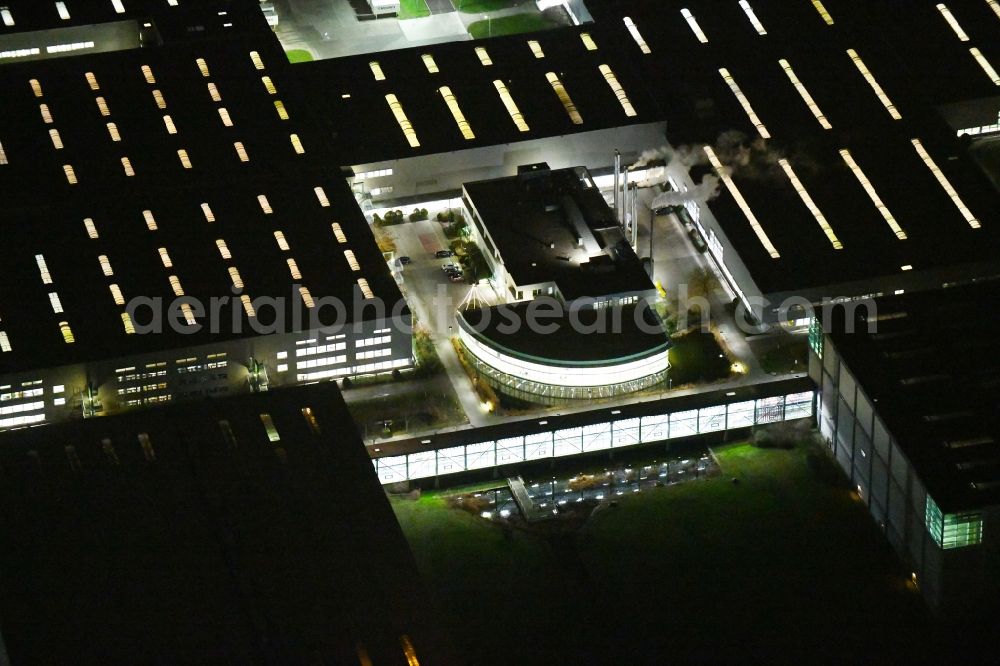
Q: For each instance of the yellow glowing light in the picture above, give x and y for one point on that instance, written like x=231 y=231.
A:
x=872 y=194
x=741 y=202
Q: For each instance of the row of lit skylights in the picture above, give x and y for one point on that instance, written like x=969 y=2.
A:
x=62 y=10
x=945 y=184
x=727 y=180
x=754 y=21
x=36 y=88
x=995 y=6
x=981 y=59
x=695 y=27
x=745 y=103
x=54 y=302
x=827 y=18
x=800 y=189
x=563 y=95
x=637 y=36
x=804 y=93
x=872 y=194
x=870 y=78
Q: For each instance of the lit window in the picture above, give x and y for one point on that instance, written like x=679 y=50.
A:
x=693 y=24
x=92 y=81
x=800 y=189
x=536 y=48
x=165 y=258
x=234 y=275
x=321 y=196
x=870 y=78
x=67 y=333
x=36 y=87
x=223 y=249
x=113 y=132
x=241 y=152
x=752 y=15
x=116 y=294
x=147 y=73
x=511 y=106
x=804 y=93
x=264 y=205
x=105 y=265
x=248 y=306
x=255 y=59
x=352 y=261
x=456 y=113
x=213 y=92
x=872 y=194
x=272 y=432
x=429 y=63
x=818 y=4
x=564 y=97
x=161 y=103
x=745 y=103
x=293 y=268
x=147 y=215
x=339 y=233
x=55 y=302
x=282 y=243
x=127 y=166
x=952 y=21
x=5 y=342
x=946 y=184
x=617 y=89
x=269 y=85
x=279 y=106
x=175 y=284
x=102 y=106
x=202 y=67
x=404 y=122
x=224 y=115
x=366 y=290
x=88 y=224
x=377 y=70
x=307 y=297
x=46 y=114
x=637 y=36
x=954 y=530
x=484 y=56
x=70 y=174
x=127 y=322
x=741 y=202
x=296 y=144
x=985 y=64
x=185 y=160
x=206 y=210
x=169 y=122
x=56 y=139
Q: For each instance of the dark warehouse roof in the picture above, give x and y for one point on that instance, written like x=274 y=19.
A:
x=189 y=535
x=931 y=370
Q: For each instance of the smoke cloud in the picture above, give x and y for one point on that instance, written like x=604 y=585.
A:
x=706 y=190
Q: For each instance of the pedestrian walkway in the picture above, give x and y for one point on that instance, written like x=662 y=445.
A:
x=528 y=508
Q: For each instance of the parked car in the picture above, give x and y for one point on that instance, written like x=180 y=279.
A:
x=443 y=254
x=447 y=268
x=458 y=276
x=404 y=260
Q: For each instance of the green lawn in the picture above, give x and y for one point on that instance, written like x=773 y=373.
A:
x=482 y=6
x=784 y=565
x=696 y=357
x=299 y=55
x=413 y=9
x=509 y=25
